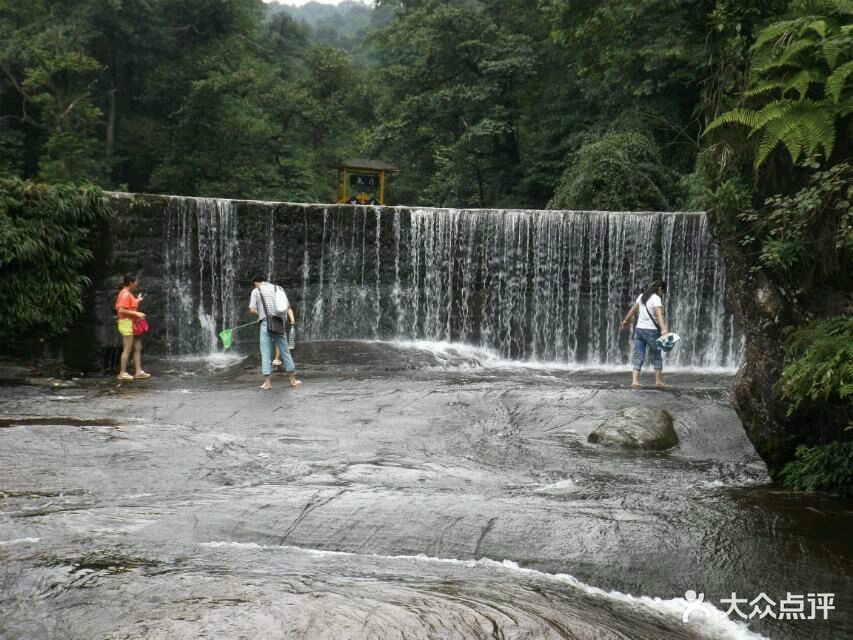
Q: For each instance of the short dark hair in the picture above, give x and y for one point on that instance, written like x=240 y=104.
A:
x=258 y=279
x=129 y=279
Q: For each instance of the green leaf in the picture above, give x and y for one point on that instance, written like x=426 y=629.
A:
x=836 y=81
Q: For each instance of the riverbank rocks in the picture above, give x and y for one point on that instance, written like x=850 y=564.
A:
x=636 y=428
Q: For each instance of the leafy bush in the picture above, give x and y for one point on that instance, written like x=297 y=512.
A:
x=44 y=231
x=822 y=468
x=799 y=82
x=807 y=236
x=819 y=363
x=619 y=172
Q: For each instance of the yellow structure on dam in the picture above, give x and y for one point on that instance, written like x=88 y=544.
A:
x=362 y=181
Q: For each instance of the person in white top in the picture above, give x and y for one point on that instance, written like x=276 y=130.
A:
x=650 y=326
x=271 y=299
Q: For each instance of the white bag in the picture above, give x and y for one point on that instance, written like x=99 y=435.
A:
x=281 y=301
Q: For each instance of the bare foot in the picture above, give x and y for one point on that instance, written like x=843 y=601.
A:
x=295 y=383
x=636 y=384
x=659 y=384
x=266 y=386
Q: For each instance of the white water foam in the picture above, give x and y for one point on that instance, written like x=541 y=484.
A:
x=739 y=482
x=558 y=488
x=458 y=355
x=4 y=543
x=237 y=545
x=714 y=627
x=216 y=359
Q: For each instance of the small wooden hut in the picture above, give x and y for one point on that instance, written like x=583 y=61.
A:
x=362 y=181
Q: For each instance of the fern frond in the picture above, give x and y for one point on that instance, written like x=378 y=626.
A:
x=831 y=50
x=792 y=135
x=801 y=81
x=803 y=126
x=745 y=117
x=765 y=87
x=835 y=83
x=773 y=32
x=818 y=125
x=772 y=111
x=770 y=139
x=818 y=26
x=784 y=58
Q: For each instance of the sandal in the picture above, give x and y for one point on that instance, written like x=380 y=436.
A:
x=266 y=386
x=124 y=376
x=296 y=383
x=141 y=375
x=276 y=363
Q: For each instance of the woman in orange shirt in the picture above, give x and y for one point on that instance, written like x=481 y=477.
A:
x=126 y=310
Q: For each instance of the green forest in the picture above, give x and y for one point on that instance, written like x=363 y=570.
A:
x=496 y=103
x=741 y=109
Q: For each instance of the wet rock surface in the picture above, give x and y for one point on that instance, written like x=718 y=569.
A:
x=398 y=493
x=636 y=428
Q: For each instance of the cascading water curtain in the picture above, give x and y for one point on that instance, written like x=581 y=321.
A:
x=534 y=285
x=346 y=300
x=549 y=286
x=180 y=278
x=201 y=261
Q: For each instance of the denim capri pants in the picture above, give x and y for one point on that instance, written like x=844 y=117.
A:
x=647 y=338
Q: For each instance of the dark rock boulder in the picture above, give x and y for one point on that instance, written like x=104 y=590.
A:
x=767 y=314
x=637 y=428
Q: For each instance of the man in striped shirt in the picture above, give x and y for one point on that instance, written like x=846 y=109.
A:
x=262 y=303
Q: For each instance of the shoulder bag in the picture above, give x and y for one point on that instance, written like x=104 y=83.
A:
x=275 y=324
x=140 y=326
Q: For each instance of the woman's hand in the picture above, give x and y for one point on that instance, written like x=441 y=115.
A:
x=139 y=314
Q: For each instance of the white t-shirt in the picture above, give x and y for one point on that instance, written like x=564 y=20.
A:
x=644 y=318
x=274 y=296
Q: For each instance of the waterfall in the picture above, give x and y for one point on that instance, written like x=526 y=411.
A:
x=201 y=263
x=549 y=286
x=541 y=285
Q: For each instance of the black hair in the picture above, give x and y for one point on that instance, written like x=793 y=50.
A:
x=653 y=289
x=128 y=280
x=258 y=279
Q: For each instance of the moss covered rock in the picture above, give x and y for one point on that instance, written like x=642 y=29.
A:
x=636 y=428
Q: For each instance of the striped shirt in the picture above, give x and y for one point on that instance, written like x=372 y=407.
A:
x=268 y=290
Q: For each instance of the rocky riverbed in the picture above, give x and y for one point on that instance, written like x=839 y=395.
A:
x=415 y=491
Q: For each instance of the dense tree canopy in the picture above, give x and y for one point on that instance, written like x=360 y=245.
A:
x=189 y=96
x=479 y=102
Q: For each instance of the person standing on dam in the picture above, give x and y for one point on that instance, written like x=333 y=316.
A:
x=269 y=302
x=650 y=326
